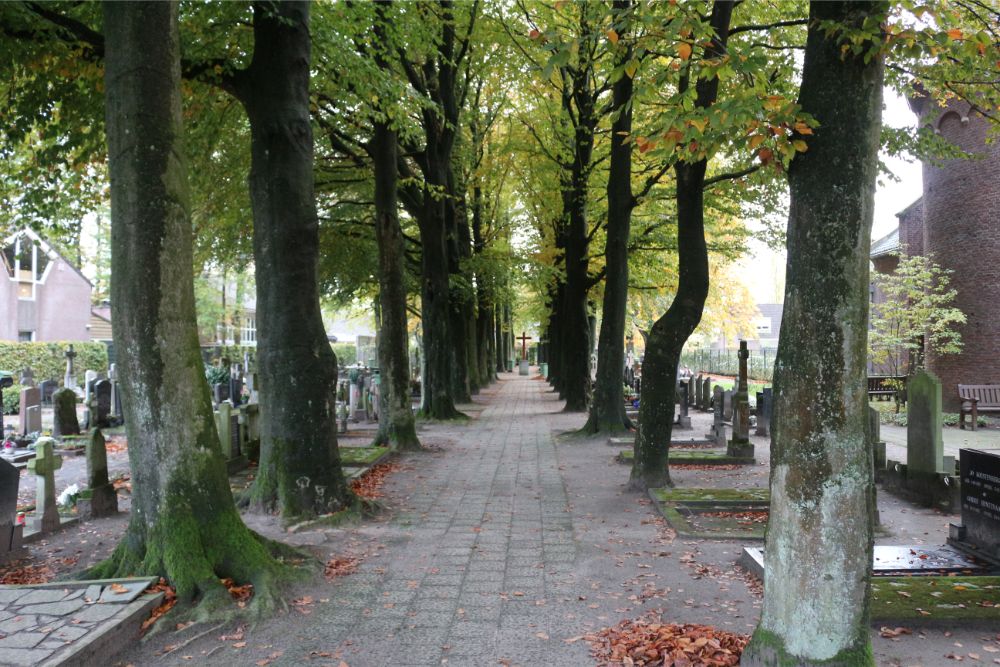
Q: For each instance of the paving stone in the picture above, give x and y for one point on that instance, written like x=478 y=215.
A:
x=22 y=656
x=97 y=612
x=54 y=608
x=9 y=595
x=40 y=595
x=18 y=623
x=22 y=639
x=93 y=592
x=69 y=632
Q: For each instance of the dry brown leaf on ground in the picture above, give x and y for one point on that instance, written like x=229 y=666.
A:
x=169 y=600
x=338 y=566
x=240 y=594
x=370 y=484
x=651 y=643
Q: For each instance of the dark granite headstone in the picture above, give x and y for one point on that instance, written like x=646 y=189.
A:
x=220 y=393
x=10 y=532
x=981 y=501
x=765 y=402
x=48 y=387
x=235 y=390
x=102 y=392
x=64 y=420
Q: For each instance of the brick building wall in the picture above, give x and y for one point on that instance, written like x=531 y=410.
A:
x=961 y=232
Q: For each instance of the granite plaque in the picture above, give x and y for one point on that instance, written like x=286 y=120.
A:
x=981 y=500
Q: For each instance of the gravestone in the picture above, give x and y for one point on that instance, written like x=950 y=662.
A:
x=980 y=529
x=64 y=421
x=11 y=534
x=696 y=391
x=102 y=404
x=48 y=387
x=100 y=494
x=727 y=405
x=706 y=394
x=31 y=410
x=878 y=445
x=765 y=402
x=717 y=412
x=236 y=387
x=683 y=419
x=741 y=400
x=27 y=377
x=44 y=466
x=220 y=393
x=69 y=379
x=924 y=444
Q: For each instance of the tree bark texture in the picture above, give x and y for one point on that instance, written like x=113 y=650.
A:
x=607 y=410
x=820 y=534
x=300 y=472
x=396 y=423
x=668 y=334
x=184 y=525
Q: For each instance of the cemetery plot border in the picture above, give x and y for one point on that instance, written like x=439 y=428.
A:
x=714 y=514
x=693 y=457
x=363 y=456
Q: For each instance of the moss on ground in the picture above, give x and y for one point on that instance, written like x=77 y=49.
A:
x=356 y=456
x=687 y=496
x=691 y=457
x=936 y=598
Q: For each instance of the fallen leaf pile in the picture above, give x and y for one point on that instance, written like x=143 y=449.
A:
x=645 y=642
x=338 y=566
x=22 y=572
x=169 y=600
x=744 y=518
x=370 y=484
x=241 y=594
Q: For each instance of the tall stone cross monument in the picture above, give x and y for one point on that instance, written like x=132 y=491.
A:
x=740 y=444
x=69 y=380
x=523 y=367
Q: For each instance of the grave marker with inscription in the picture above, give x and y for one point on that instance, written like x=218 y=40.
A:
x=980 y=529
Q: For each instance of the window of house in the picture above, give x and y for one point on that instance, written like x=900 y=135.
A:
x=25 y=263
x=25 y=336
x=248 y=332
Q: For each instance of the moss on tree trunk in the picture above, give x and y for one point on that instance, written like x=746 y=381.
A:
x=607 y=410
x=820 y=533
x=396 y=422
x=300 y=473
x=184 y=525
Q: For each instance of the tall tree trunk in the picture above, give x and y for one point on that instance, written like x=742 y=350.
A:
x=459 y=290
x=396 y=422
x=668 y=334
x=501 y=365
x=607 y=410
x=184 y=525
x=300 y=472
x=484 y=306
x=820 y=536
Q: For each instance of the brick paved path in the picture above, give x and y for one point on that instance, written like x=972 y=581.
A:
x=497 y=549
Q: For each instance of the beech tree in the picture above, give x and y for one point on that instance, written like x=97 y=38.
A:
x=184 y=524
x=820 y=537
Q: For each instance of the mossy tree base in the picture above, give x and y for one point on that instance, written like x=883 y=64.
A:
x=767 y=650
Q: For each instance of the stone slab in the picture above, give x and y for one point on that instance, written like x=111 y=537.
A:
x=893 y=560
x=124 y=593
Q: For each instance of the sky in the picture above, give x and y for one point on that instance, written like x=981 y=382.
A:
x=762 y=269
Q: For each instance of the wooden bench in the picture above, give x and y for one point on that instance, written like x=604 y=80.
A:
x=881 y=387
x=977 y=398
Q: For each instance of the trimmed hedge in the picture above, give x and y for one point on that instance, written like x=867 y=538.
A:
x=12 y=400
x=48 y=360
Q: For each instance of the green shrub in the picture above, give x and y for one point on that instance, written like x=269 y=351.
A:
x=48 y=360
x=347 y=353
x=12 y=400
x=216 y=375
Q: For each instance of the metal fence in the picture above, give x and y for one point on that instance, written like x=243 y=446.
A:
x=760 y=364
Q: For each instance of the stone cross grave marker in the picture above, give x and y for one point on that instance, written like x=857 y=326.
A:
x=10 y=532
x=924 y=444
x=103 y=499
x=69 y=380
x=102 y=403
x=44 y=466
x=741 y=400
x=31 y=410
x=64 y=421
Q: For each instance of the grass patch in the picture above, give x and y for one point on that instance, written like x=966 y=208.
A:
x=690 y=496
x=359 y=456
x=941 y=598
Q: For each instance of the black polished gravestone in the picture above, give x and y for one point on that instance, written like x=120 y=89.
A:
x=102 y=393
x=980 y=495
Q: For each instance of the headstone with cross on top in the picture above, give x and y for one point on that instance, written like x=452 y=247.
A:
x=44 y=465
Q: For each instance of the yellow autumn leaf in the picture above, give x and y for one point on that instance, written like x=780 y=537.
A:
x=631 y=68
x=955 y=33
x=699 y=123
x=756 y=140
x=613 y=36
x=684 y=50
x=802 y=128
x=800 y=145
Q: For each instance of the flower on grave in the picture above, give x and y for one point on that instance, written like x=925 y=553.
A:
x=69 y=495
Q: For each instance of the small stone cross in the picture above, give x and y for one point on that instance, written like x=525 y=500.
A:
x=44 y=465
